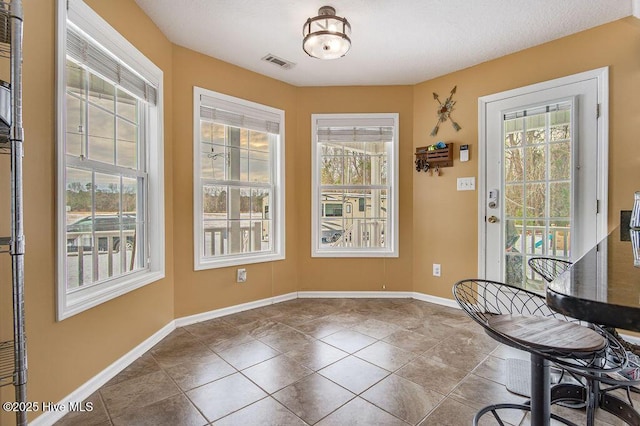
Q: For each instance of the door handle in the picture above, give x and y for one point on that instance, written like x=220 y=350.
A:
x=492 y=219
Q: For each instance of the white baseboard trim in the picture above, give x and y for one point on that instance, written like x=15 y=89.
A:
x=93 y=384
x=192 y=319
x=285 y=297
x=355 y=294
x=437 y=300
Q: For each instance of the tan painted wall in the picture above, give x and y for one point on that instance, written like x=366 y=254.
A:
x=63 y=355
x=437 y=223
x=201 y=291
x=445 y=225
x=355 y=274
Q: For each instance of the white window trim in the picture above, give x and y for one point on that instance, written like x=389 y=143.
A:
x=278 y=166
x=393 y=173
x=69 y=304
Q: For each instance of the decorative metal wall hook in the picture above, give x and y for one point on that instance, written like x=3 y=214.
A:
x=444 y=111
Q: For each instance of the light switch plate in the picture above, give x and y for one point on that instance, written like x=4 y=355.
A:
x=467 y=184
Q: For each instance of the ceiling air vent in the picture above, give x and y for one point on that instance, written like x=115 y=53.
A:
x=278 y=61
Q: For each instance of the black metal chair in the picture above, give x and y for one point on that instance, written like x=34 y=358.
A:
x=521 y=319
x=548 y=267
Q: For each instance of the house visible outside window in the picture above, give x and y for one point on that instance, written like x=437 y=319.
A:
x=333 y=209
x=238 y=181
x=354 y=185
x=110 y=163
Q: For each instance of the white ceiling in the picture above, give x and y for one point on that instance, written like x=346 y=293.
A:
x=393 y=41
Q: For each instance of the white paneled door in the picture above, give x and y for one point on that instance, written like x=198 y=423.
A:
x=542 y=175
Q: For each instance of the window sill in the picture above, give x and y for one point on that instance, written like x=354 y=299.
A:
x=211 y=263
x=354 y=253
x=71 y=304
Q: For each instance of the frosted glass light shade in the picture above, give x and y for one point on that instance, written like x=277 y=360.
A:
x=326 y=36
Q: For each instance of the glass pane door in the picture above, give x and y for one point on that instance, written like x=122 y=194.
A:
x=537 y=192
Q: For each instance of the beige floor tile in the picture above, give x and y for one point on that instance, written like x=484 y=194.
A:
x=360 y=412
x=313 y=397
x=182 y=349
x=133 y=394
x=478 y=392
x=410 y=341
x=276 y=373
x=199 y=372
x=463 y=356
x=212 y=331
x=348 y=340
x=248 y=354
x=354 y=374
x=375 y=328
x=235 y=340
x=222 y=397
x=385 y=355
x=245 y=317
x=320 y=328
x=347 y=319
x=97 y=416
x=284 y=340
x=403 y=398
x=176 y=410
x=267 y=411
x=452 y=413
x=492 y=368
x=263 y=327
x=432 y=374
x=316 y=355
x=144 y=365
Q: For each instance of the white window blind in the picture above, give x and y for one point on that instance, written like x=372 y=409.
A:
x=82 y=49
x=355 y=134
x=237 y=115
x=565 y=106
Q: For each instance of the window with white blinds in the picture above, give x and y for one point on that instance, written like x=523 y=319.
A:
x=355 y=185
x=110 y=163
x=238 y=181
x=85 y=51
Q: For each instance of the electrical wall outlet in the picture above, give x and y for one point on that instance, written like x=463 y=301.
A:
x=436 y=269
x=241 y=276
x=467 y=184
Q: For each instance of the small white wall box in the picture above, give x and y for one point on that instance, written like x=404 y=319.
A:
x=464 y=152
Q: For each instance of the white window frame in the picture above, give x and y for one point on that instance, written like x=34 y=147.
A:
x=356 y=120
x=94 y=27
x=277 y=212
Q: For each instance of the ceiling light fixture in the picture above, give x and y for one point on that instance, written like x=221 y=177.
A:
x=326 y=36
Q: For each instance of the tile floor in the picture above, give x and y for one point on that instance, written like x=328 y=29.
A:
x=316 y=361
